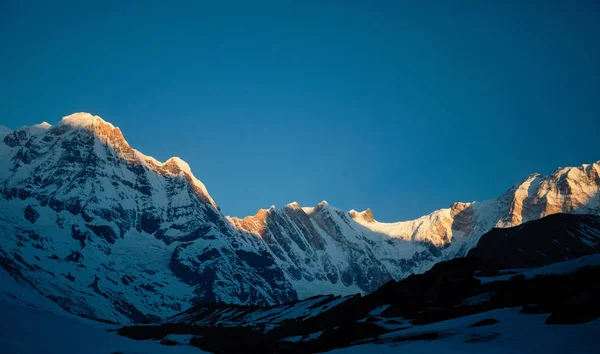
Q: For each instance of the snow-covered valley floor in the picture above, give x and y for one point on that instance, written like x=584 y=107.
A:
x=28 y=330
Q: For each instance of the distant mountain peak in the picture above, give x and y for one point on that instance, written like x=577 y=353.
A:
x=292 y=206
x=365 y=215
x=43 y=125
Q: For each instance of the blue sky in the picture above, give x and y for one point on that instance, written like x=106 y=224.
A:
x=401 y=106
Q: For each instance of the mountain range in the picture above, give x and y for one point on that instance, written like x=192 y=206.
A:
x=518 y=287
x=108 y=233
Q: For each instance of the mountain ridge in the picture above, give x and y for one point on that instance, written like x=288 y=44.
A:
x=137 y=238
x=545 y=267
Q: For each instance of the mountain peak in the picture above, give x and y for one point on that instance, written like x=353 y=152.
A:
x=43 y=125
x=366 y=215
x=181 y=164
x=83 y=119
x=292 y=205
x=262 y=211
x=322 y=204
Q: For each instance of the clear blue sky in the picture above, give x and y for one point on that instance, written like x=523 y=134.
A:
x=401 y=106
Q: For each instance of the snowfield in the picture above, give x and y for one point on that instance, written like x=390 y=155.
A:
x=28 y=330
x=515 y=332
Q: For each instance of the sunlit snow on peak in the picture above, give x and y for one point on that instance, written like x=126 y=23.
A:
x=43 y=125
x=83 y=119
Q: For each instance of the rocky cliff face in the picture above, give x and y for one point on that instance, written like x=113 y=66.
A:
x=322 y=249
x=107 y=232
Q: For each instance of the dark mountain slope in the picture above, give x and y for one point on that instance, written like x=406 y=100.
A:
x=558 y=237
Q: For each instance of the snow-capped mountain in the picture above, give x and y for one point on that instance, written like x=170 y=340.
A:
x=541 y=273
x=345 y=250
x=109 y=233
